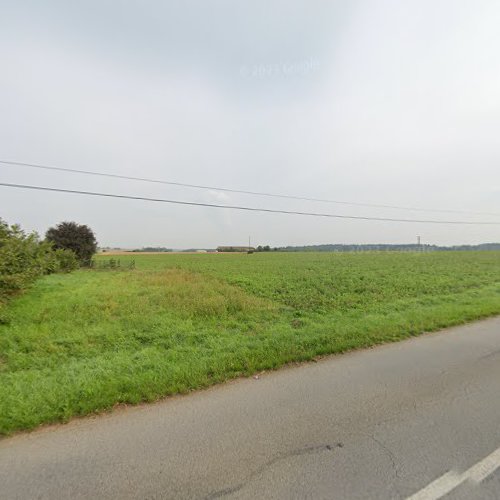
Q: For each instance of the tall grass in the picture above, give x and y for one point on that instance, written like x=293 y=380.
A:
x=84 y=342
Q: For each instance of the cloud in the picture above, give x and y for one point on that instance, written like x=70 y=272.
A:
x=383 y=102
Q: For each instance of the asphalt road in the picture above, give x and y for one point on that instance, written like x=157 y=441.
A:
x=418 y=419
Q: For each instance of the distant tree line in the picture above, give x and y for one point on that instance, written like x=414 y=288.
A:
x=412 y=247
x=265 y=248
x=152 y=249
x=231 y=249
x=340 y=247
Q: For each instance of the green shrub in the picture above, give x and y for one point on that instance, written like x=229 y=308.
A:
x=24 y=258
x=66 y=259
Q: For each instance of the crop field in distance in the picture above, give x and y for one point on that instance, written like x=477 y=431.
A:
x=81 y=343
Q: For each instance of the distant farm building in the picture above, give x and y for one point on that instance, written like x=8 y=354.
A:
x=235 y=249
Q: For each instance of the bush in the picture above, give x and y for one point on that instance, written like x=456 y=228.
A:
x=24 y=258
x=66 y=259
x=76 y=237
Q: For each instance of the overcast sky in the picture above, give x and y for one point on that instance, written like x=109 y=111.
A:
x=382 y=101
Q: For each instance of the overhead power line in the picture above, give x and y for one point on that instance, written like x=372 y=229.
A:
x=241 y=191
x=237 y=207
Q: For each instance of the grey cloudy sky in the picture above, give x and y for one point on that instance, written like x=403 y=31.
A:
x=381 y=101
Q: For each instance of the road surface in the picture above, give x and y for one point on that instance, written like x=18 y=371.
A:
x=419 y=419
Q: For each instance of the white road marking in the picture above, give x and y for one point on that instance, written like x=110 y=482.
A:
x=438 y=488
x=449 y=481
x=484 y=468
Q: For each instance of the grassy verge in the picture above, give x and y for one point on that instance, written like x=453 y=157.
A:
x=84 y=342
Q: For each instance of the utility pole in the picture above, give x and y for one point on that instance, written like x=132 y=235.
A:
x=249 y=251
x=418 y=243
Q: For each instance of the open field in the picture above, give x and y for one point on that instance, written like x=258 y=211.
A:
x=83 y=342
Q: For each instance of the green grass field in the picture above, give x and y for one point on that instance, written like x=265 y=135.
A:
x=83 y=342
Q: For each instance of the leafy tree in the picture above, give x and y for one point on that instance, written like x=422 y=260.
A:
x=76 y=237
